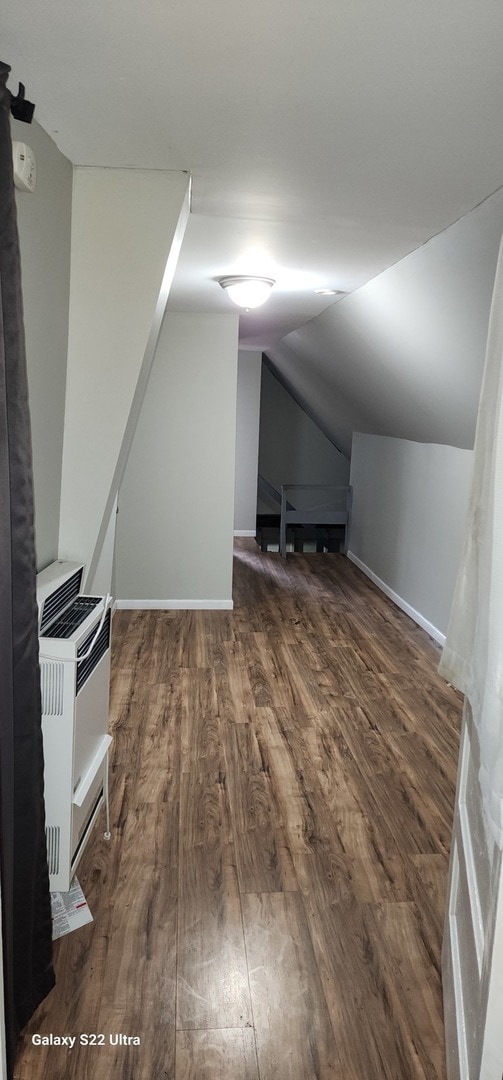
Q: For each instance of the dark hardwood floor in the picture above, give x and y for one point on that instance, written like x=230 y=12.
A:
x=271 y=904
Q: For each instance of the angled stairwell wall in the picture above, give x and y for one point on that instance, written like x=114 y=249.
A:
x=127 y=229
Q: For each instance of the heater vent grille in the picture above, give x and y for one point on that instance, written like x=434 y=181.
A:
x=52 y=686
x=60 y=598
x=74 y=616
x=53 y=837
x=99 y=649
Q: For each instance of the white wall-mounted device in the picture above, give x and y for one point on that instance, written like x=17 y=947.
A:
x=74 y=638
x=25 y=167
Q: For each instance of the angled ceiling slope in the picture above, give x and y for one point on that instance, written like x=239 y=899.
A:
x=403 y=355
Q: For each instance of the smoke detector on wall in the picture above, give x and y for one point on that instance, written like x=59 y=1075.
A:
x=25 y=168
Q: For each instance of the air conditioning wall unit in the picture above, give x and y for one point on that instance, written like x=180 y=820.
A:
x=74 y=646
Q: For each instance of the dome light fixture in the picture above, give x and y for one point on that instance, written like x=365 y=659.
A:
x=330 y=292
x=247 y=292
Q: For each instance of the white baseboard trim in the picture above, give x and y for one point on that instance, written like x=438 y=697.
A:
x=175 y=605
x=245 y=532
x=415 y=615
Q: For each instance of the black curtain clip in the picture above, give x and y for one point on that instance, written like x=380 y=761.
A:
x=20 y=108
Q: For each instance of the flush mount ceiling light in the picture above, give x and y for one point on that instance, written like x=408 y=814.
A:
x=247 y=292
x=330 y=292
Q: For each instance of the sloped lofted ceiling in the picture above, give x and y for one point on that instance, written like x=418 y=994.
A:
x=326 y=141
x=403 y=355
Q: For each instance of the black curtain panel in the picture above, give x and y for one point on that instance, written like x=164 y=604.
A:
x=26 y=913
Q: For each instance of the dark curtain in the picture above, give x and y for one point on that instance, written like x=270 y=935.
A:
x=26 y=914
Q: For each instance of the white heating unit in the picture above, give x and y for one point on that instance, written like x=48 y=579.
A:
x=74 y=642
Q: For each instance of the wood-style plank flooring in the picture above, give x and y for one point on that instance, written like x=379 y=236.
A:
x=271 y=904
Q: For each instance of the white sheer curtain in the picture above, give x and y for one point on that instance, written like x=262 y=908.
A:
x=473 y=654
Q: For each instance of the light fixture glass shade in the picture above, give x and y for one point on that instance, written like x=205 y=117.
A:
x=247 y=292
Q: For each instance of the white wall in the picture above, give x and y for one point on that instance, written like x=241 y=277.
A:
x=176 y=503
x=409 y=508
x=127 y=228
x=44 y=223
x=247 y=435
x=292 y=449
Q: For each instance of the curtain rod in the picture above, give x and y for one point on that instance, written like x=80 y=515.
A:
x=20 y=108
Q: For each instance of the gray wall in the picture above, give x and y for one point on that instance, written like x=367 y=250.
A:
x=247 y=435
x=409 y=508
x=44 y=221
x=292 y=449
x=176 y=504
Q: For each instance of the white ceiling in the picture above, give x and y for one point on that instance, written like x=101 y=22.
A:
x=326 y=138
